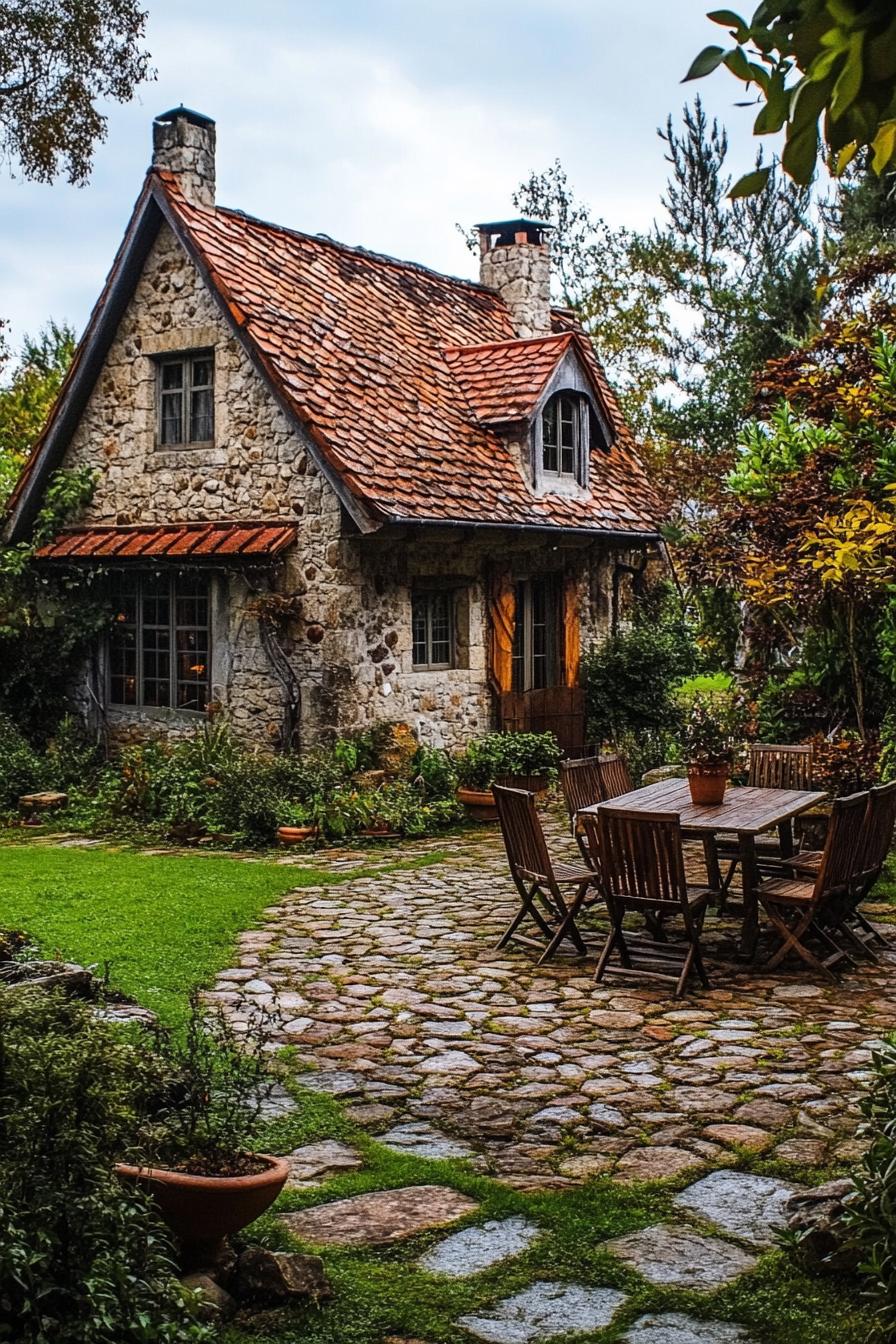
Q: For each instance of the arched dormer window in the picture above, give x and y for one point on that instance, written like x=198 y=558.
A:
x=565 y=435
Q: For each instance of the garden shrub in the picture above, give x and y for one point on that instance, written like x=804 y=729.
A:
x=82 y=1259
x=871 y=1218
x=630 y=683
x=500 y=756
x=22 y=770
x=207 y=783
x=846 y=763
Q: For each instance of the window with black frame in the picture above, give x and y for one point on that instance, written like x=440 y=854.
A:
x=536 y=644
x=159 y=646
x=186 y=399
x=432 y=630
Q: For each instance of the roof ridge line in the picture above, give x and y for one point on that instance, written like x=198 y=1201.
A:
x=514 y=340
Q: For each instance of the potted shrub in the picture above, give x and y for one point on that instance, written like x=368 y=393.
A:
x=200 y=1169
x=710 y=736
x=298 y=824
x=518 y=760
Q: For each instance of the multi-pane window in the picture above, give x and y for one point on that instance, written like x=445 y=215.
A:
x=561 y=436
x=186 y=399
x=159 y=645
x=431 y=630
x=535 y=635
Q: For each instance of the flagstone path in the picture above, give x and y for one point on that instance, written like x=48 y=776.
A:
x=390 y=988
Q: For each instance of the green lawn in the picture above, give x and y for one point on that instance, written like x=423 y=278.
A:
x=165 y=923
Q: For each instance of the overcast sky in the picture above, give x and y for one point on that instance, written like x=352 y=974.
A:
x=381 y=122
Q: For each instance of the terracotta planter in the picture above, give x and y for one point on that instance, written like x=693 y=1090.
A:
x=379 y=831
x=707 y=784
x=295 y=835
x=480 y=803
x=202 y=1210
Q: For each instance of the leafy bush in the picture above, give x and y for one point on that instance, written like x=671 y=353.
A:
x=872 y=1217
x=82 y=1259
x=630 y=682
x=207 y=783
x=846 y=763
x=791 y=708
x=501 y=755
x=22 y=770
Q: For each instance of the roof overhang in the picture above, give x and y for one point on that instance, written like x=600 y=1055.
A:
x=180 y=543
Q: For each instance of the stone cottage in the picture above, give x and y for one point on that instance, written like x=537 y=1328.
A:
x=333 y=487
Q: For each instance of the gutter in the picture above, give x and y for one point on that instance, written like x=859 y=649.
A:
x=611 y=534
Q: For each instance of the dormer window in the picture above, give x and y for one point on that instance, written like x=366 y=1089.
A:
x=565 y=424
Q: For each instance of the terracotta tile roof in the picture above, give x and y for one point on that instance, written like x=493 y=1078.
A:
x=366 y=350
x=503 y=380
x=206 y=541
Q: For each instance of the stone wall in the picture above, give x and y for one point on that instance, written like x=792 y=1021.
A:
x=349 y=641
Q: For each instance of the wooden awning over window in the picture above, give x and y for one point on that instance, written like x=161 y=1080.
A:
x=232 y=542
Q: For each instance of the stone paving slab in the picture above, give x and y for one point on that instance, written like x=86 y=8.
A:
x=380 y=1218
x=671 y=1327
x=478 y=1248
x=419 y=1138
x=740 y=1204
x=679 y=1257
x=544 y=1310
x=315 y=1163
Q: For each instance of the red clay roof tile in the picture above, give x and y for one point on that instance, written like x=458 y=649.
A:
x=233 y=541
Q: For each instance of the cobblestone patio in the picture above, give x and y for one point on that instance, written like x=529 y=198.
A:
x=391 y=990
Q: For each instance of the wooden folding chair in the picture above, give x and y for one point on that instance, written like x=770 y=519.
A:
x=642 y=870
x=875 y=843
x=580 y=783
x=771 y=767
x=538 y=879
x=797 y=908
x=613 y=777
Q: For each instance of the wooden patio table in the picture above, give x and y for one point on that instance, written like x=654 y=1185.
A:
x=745 y=812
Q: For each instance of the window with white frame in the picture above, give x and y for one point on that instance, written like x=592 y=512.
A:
x=186 y=399
x=432 y=630
x=159 y=645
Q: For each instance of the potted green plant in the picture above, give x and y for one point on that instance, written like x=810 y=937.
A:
x=710 y=738
x=518 y=760
x=200 y=1167
x=298 y=824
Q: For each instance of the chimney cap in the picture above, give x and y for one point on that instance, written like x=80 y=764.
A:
x=507 y=230
x=187 y=113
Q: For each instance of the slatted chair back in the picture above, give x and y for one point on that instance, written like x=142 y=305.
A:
x=527 y=851
x=642 y=863
x=614 y=777
x=580 y=783
x=877 y=835
x=781 y=767
x=841 y=862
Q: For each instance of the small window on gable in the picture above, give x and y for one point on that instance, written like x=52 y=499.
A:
x=186 y=399
x=432 y=630
x=565 y=423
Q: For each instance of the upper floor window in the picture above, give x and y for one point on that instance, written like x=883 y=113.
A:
x=187 y=399
x=432 y=630
x=160 y=641
x=564 y=423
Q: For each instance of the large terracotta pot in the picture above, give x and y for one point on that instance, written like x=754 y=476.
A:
x=202 y=1210
x=707 y=784
x=295 y=835
x=480 y=803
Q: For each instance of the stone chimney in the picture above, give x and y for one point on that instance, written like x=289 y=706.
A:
x=184 y=143
x=515 y=259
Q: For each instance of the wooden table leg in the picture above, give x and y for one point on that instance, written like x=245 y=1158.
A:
x=785 y=838
x=750 y=878
x=711 y=856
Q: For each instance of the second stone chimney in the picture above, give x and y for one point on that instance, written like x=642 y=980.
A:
x=184 y=143
x=515 y=259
